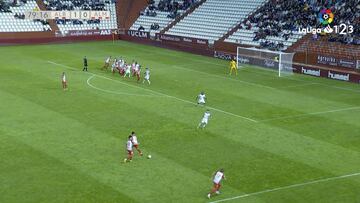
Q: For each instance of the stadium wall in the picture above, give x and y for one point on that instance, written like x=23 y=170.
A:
x=14 y=38
x=187 y=44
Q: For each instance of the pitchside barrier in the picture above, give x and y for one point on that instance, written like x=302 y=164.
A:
x=80 y=33
x=54 y=37
x=187 y=44
x=138 y=34
x=180 y=39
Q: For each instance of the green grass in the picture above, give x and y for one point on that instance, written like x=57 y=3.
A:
x=68 y=146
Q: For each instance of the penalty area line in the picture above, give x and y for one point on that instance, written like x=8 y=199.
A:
x=224 y=77
x=159 y=93
x=295 y=86
x=287 y=187
x=72 y=68
x=311 y=114
x=114 y=92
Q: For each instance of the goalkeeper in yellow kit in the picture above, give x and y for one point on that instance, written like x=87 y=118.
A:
x=233 y=67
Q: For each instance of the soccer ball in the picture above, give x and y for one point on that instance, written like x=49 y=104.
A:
x=149 y=156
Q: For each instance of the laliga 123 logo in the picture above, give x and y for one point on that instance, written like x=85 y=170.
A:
x=326 y=17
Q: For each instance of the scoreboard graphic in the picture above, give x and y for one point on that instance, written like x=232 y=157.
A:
x=70 y=15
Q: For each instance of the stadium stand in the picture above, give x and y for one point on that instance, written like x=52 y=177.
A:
x=65 y=25
x=160 y=13
x=272 y=27
x=12 y=18
x=255 y=36
x=322 y=46
x=275 y=26
x=214 y=18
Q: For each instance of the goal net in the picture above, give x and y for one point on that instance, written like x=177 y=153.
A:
x=279 y=61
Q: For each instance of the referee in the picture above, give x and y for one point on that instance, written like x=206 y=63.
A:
x=85 y=64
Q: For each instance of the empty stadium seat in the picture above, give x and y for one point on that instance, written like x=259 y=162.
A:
x=161 y=19
x=214 y=18
x=246 y=37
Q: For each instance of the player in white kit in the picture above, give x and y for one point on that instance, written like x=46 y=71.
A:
x=129 y=149
x=218 y=177
x=122 y=63
x=147 y=76
x=201 y=98
x=133 y=67
x=114 y=66
x=205 y=119
x=64 y=81
x=135 y=142
x=107 y=63
x=127 y=71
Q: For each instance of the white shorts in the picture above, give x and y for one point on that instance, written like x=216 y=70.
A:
x=204 y=121
x=201 y=101
x=216 y=182
x=147 y=78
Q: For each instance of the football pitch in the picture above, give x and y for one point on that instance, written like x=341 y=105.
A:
x=289 y=139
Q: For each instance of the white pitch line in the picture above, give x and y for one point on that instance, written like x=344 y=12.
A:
x=114 y=92
x=340 y=88
x=159 y=93
x=215 y=109
x=287 y=187
x=58 y=64
x=186 y=101
x=294 y=86
x=289 y=78
x=72 y=68
x=223 y=77
x=310 y=114
x=264 y=86
x=301 y=80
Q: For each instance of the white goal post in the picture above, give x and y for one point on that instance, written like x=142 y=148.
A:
x=280 y=61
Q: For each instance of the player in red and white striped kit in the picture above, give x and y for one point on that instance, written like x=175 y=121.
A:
x=135 y=142
x=121 y=66
x=133 y=66
x=138 y=71
x=218 y=177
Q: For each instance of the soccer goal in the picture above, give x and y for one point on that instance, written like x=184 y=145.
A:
x=280 y=61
